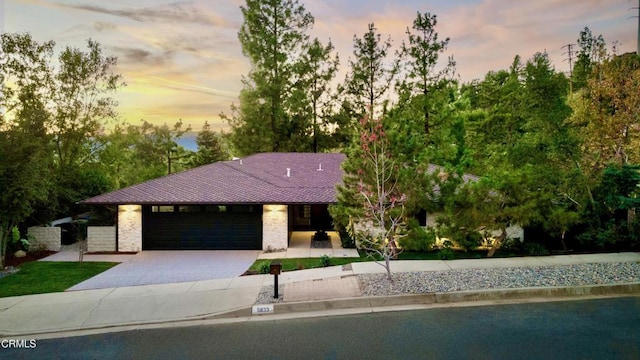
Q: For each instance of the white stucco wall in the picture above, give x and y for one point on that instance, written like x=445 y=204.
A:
x=101 y=238
x=275 y=227
x=129 y=228
x=45 y=238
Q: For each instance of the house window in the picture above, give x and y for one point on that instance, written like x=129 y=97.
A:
x=215 y=208
x=305 y=212
x=162 y=208
x=189 y=208
x=242 y=208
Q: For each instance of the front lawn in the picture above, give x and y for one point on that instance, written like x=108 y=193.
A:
x=301 y=263
x=39 y=277
x=260 y=266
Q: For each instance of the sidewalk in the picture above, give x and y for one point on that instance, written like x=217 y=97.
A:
x=313 y=290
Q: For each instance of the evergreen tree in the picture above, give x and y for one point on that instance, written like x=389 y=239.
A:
x=318 y=67
x=592 y=51
x=421 y=55
x=272 y=36
x=371 y=72
x=210 y=147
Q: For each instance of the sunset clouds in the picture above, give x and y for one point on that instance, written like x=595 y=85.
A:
x=182 y=60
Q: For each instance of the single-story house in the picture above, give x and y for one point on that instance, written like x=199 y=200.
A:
x=250 y=203
x=254 y=203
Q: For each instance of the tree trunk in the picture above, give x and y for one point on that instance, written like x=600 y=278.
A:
x=497 y=243
x=387 y=266
x=631 y=216
x=4 y=239
x=564 y=244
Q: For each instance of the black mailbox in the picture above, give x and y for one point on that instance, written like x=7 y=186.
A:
x=275 y=268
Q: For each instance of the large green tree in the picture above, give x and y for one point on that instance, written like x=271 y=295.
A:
x=371 y=72
x=25 y=168
x=592 y=50
x=608 y=114
x=606 y=117
x=317 y=68
x=273 y=36
x=76 y=97
x=524 y=149
x=420 y=55
x=210 y=147
x=135 y=153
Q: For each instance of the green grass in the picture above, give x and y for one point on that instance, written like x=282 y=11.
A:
x=303 y=263
x=39 y=277
x=434 y=255
x=312 y=263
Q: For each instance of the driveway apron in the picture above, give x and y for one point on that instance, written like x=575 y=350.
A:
x=162 y=267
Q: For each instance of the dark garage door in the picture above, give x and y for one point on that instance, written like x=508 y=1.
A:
x=202 y=227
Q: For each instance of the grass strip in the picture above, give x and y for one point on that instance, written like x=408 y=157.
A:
x=302 y=263
x=40 y=277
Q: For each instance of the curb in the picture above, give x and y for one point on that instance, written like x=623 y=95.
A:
x=370 y=303
x=440 y=298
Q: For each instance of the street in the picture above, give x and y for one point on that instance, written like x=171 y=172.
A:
x=585 y=329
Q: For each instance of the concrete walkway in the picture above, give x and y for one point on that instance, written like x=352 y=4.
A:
x=300 y=247
x=74 y=312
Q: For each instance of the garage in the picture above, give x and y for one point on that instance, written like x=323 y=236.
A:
x=202 y=227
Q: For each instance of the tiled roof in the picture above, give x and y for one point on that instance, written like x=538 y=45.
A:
x=257 y=179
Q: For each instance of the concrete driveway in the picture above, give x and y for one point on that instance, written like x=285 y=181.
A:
x=162 y=267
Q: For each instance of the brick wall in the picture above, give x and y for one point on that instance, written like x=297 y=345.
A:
x=275 y=227
x=101 y=238
x=45 y=238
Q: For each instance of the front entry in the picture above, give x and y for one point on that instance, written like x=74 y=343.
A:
x=310 y=217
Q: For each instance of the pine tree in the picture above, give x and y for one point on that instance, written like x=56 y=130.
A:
x=371 y=72
x=210 y=147
x=273 y=36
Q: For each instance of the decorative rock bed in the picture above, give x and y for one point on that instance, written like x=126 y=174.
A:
x=479 y=279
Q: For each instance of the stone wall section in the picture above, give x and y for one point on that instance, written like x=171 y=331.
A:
x=101 y=238
x=275 y=227
x=129 y=228
x=45 y=238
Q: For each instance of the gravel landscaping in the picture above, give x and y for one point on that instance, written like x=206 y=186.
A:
x=477 y=279
x=505 y=278
x=266 y=295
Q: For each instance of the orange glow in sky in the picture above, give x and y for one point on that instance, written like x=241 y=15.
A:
x=182 y=60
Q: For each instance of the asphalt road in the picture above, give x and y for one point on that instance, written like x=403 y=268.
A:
x=585 y=329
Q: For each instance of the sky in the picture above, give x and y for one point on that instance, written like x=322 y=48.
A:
x=183 y=60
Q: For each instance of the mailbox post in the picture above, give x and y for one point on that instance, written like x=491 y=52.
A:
x=275 y=268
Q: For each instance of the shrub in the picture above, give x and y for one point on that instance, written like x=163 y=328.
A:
x=513 y=246
x=417 y=238
x=469 y=240
x=535 y=249
x=346 y=239
x=264 y=268
x=17 y=242
x=446 y=254
x=463 y=237
x=325 y=260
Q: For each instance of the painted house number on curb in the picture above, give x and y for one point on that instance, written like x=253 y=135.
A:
x=262 y=309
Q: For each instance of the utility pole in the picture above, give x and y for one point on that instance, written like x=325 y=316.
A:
x=638 y=38
x=569 y=54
